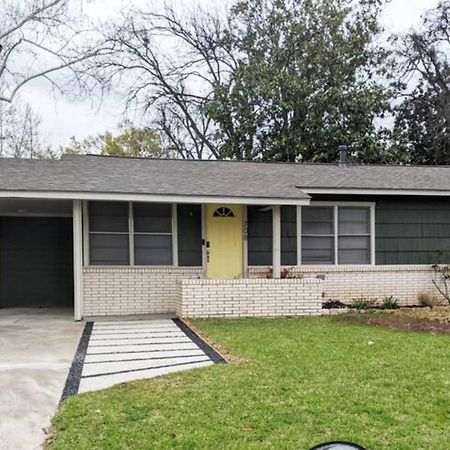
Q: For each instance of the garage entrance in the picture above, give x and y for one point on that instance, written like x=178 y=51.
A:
x=36 y=261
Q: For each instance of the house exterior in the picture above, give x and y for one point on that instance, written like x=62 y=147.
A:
x=121 y=236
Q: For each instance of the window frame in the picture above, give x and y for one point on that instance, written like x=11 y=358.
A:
x=335 y=205
x=131 y=237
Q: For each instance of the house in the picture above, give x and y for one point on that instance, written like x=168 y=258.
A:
x=112 y=236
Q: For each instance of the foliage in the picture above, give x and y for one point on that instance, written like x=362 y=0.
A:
x=286 y=272
x=298 y=382
x=41 y=39
x=390 y=303
x=334 y=304
x=441 y=280
x=276 y=80
x=362 y=303
x=307 y=80
x=426 y=299
x=423 y=117
x=131 y=142
x=20 y=135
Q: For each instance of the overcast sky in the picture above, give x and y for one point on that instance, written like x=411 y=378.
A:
x=62 y=119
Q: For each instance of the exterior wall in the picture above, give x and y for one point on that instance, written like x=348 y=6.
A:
x=408 y=230
x=249 y=298
x=412 y=231
x=349 y=283
x=132 y=290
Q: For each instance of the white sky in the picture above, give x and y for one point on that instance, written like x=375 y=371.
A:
x=62 y=118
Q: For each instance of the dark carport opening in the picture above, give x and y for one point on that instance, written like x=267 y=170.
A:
x=36 y=253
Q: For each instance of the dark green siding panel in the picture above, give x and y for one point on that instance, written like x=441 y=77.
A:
x=408 y=230
x=412 y=230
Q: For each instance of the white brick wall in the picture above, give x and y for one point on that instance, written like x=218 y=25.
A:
x=148 y=290
x=347 y=283
x=132 y=290
x=249 y=298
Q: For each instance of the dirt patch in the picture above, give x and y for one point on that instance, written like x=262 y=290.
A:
x=422 y=320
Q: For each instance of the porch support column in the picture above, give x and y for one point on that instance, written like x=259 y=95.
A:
x=276 y=241
x=77 y=218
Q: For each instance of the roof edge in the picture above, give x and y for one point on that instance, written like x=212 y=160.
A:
x=157 y=198
x=376 y=191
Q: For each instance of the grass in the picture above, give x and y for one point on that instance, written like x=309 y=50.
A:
x=295 y=383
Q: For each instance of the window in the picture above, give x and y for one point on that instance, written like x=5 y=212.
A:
x=289 y=235
x=109 y=233
x=317 y=235
x=189 y=235
x=152 y=233
x=336 y=235
x=259 y=229
x=123 y=233
x=223 y=211
x=354 y=235
x=260 y=242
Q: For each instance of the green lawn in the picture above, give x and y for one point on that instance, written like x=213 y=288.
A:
x=295 y=383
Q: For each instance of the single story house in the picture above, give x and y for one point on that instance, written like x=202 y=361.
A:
x=111 y=236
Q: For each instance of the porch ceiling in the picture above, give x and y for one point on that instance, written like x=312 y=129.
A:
x=35 y=207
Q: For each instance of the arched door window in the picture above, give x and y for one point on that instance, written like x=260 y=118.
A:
x=223 y=211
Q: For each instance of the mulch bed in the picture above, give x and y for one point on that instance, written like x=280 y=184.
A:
x=400 y=322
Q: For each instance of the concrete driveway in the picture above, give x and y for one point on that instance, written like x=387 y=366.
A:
x=36 y=350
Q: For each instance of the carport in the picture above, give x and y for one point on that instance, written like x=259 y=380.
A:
x=36 y=253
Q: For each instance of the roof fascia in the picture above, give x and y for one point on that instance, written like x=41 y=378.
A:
x=156 y=198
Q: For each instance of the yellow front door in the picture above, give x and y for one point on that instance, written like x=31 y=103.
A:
x=224 y=237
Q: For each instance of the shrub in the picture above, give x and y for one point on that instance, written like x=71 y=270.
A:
x=334 y=304
x=286 y=272
x=390 y=303
x=362 y=303
x=426 y=299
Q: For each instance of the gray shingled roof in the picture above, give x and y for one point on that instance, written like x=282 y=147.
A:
x=95 y=174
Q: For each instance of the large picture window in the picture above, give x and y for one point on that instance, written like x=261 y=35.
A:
x=142 y=234
x=336 y=234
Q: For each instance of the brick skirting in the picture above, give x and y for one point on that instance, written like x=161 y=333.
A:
x=348 y=283
x=147 y=290
x=132 y=290
x=249 y=298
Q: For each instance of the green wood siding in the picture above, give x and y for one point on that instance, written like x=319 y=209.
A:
x=412 y=231
x=408 y=230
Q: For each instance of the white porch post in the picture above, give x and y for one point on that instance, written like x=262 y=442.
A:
x=276 y=241
x=77 y=218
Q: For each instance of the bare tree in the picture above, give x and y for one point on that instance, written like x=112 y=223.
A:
x=268 y=79
x=171 y=65
x=423 y=115
x=40 y=39
x=20 y=135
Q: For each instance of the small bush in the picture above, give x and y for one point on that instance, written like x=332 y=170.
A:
x=426 y=299
x=334 y=304
x=390 y=303
x=362 y=303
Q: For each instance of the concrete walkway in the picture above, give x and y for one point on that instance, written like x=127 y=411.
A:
x=120 y=351
x=36 y=351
